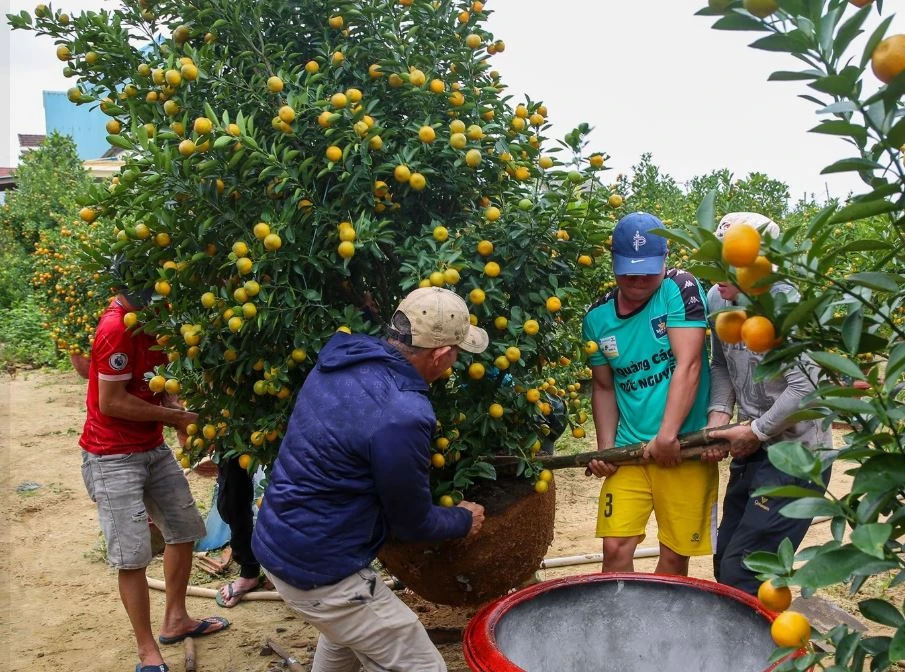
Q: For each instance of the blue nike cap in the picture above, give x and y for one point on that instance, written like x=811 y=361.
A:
x=636 y=251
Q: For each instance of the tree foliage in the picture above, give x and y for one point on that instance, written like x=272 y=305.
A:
x=847 y=260
x=294 y=169
x=48 y=180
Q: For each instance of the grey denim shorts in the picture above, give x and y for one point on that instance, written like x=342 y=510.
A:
x=127 y=488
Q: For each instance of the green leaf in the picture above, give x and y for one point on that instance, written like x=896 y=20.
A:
x=874 y=40
x=841 y=107
x=896 y=362
x=120 y=141
x=862 y=210
x=871 y=538
x=705 y=211
x=850 y=30
x=763 y=562
x=811 y=507
x=839 y=127
x=839 y=364
x=707 y=272
x=897 y=645
x=792 y=458
x=848 y=406
x=851 y=330
x=881 y=611
x=737 y=21
x=835 y=85
x=790 y=76
x=788 y=491
x=884 y=282
x=853 y=164
x=803 y=311
x=792 y=43
x=877 y=474
x=865 y=245
x=834 y=566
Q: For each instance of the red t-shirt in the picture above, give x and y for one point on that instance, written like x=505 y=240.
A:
x=121 y=354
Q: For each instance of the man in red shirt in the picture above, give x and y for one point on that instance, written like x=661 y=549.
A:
x=130 y=472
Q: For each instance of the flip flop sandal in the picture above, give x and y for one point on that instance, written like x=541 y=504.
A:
x=232 y=594
x=203 y=628
x=152 y=668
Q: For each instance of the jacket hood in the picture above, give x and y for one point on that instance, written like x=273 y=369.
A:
x=345 y=351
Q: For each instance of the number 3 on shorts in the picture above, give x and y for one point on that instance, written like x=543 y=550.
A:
x=608 y=505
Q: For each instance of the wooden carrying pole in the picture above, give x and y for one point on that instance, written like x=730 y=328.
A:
x=691 y=445
x=190 y=658
x=291 y=663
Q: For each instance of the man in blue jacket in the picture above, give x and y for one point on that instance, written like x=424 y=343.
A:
x=352 y=470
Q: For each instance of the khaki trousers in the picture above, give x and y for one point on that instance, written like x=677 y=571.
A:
x=363 y=625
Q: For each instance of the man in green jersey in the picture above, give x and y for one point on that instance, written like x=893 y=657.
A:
x=650 y=384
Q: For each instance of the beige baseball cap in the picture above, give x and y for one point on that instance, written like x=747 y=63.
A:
x=431 y=317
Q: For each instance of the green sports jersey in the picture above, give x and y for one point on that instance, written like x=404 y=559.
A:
x=636 y=347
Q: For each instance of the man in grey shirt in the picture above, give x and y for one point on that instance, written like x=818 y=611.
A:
x=749 y=523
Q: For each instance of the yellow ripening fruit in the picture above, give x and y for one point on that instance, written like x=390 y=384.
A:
x=491 y=269
x=741 y=245
x=427 y=134
x=261 y=230
x=758 y=334
x=791 y=629
x=495 y=411
x=888 y=58
x=401 y=173
x=417 y=181
x=531 y=327
x=554 y=304
x=286 y=114
x=773 y=598
x=203 y=126
x=728 y=326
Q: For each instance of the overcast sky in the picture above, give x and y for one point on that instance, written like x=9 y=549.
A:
x=648 y=75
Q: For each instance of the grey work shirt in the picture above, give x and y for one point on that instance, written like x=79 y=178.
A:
x=767 y=403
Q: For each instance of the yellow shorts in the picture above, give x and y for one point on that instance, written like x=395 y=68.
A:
x=683 y=499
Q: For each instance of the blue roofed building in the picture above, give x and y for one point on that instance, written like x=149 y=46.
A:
x=83 y=123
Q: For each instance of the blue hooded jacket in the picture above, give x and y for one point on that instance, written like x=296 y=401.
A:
x=352 y=468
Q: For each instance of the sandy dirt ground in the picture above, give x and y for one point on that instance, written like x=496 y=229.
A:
x=60 y=609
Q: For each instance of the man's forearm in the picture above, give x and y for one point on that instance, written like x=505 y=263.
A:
x=130 y=407
x=606 y=416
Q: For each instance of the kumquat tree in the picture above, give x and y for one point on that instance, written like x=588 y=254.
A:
x=850 y=318
x=293 y=169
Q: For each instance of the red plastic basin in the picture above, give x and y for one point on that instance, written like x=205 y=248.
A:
x=621 y=622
